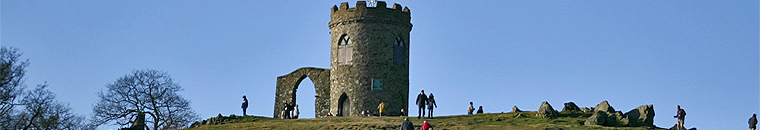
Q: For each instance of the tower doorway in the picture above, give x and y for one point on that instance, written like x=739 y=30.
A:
x=344 y=105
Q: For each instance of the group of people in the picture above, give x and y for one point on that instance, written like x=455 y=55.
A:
x=290 y=110
x=424 y=100
x=470 y=109
x=407 y=125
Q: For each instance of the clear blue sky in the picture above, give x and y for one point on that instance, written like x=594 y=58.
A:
x=700 y=54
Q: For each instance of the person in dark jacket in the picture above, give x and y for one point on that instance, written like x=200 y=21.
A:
x=681 y=117
x=480 y=110
x=245 y=104
x=421 y=101
x=431 y=103
x=753 y=122
x=407 y=125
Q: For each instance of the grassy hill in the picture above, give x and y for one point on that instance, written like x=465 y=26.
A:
x=502 y=121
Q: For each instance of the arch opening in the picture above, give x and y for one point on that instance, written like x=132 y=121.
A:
x=344 y=105
x=304 y=96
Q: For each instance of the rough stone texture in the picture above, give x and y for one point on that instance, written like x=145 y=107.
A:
x=515 y=109
x=570 y=106
x=641 y=116
x=605 y=107
x=546 y=111
x=372 y=31
x=597 y=119
x=586 y=109
x=287 y=85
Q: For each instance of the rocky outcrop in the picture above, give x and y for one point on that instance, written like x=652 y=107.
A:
x=546 y=111
x=641 y=116
x=605 y=115
x=570 y=106
x=605 y=107
x=597 y=119
x=515 y=109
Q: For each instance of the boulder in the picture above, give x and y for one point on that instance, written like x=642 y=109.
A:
x=641 y=116
x=515 y=109
x=605 y=107
x=570 y=106
x=586 y=109
x=546 y=111
x=597 y=119
x=615 y=119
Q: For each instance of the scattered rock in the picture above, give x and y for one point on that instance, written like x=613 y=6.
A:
x=520 y=115
x=546 y=111
x=570 y=106
x=605 y=107
x=515 y=109
x=641 y=116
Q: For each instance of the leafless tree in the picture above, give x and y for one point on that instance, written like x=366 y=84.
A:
x=11 y=83
x=151 y=92
x=43 y=112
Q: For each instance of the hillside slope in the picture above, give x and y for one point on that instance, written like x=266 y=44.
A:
x=512 y=121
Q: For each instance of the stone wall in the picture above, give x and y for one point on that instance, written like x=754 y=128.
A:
x=287 y=85
x=373 y=31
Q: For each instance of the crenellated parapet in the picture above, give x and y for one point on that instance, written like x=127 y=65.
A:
x=396 y=15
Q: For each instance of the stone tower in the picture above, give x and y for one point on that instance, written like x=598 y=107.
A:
x=369 y=60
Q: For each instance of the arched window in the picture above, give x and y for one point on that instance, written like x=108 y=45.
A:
x=345 y=50
x=399 y=51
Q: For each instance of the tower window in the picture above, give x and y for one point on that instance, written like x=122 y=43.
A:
x=377 y=84
x=399 y=51
x=345 y=50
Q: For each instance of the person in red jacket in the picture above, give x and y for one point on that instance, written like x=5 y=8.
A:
x=426 y=126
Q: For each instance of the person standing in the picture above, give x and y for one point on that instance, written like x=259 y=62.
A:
x=285 y=110
x=753 y=122
x=381 y=108
x=421 y=101
x=480 y=110
x=407 y=125
x=470 y=109
x=681 y=115
x=245 y=105
x=294 y=114
x=431 y=103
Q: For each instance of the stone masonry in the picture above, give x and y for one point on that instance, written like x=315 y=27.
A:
x=375 y=58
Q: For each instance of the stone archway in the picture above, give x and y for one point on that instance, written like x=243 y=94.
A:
x=287 y=85
x=344 y=105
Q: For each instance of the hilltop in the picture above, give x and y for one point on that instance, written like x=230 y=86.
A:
x=514 y=120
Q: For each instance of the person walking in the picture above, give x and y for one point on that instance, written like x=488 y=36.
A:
x=245 y=105
x=426 y=126
x=480 y=110
x=681 y=115
x=421 y=101
x=407 y=125
x=470 y=109
x=431 y=103
x=402 y=112
x=753 y=122
x=381 y=108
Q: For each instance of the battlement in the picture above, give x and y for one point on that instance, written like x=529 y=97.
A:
x=362 y=5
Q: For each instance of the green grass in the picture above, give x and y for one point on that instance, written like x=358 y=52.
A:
x=501 y=121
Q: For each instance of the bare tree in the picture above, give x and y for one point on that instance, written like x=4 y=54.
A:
x=149 y=92
x=43 y=112
x=11 y=83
